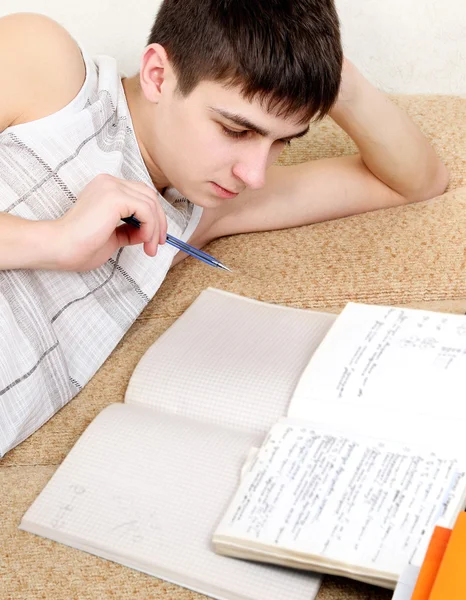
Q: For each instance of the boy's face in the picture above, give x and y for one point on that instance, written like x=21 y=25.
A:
x=213 y=144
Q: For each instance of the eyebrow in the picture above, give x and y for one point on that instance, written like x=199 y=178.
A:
x=247 y=124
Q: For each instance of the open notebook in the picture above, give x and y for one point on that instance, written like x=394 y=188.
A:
x=369 y=457
x=148 y=481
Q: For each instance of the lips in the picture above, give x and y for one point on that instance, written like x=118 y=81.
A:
x=223 y=192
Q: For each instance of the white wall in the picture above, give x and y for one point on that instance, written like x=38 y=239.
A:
x=400 y=45
x=407 y=45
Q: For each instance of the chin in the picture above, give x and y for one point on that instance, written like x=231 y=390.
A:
x=200 y=198
x=206 y=201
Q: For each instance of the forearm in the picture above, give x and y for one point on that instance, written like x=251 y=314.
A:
x=26 y=244
x=89 y=233
x=390 y=144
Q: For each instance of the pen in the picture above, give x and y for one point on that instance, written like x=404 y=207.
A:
x=183 y=246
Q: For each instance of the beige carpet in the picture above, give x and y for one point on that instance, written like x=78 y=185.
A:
x=414 y=256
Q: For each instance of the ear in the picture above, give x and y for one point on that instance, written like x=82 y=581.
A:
x=154 y=65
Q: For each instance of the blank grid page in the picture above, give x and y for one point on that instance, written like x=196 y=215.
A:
x=129 y=493
x=229 y=360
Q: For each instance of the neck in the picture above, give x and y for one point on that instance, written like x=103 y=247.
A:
x=140 y=114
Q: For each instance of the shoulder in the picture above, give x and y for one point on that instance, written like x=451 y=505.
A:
x=41 y=68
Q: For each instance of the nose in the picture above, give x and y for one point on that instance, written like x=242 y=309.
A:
x=250 y=168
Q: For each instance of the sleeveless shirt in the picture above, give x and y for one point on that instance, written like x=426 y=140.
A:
x=57 y=328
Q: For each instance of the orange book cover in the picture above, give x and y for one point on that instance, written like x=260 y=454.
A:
x=450 y=583
x=431 y=563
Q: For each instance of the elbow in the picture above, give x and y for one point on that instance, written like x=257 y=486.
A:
x=435 y=184
x=440 y=181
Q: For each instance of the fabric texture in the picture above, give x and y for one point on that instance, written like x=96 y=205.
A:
x=57 y=328
x=407 y=256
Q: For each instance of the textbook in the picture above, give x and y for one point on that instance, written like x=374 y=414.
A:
x=247 y=424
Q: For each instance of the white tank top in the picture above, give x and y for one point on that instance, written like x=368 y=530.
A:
x=57 y=328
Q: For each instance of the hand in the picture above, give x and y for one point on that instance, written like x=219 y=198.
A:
x=91 y=231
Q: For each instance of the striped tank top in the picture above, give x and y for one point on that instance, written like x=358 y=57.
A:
x=57 y=328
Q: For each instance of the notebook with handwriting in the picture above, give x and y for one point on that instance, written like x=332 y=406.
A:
x=147 y=482
x=370 y=452
x=370 y=456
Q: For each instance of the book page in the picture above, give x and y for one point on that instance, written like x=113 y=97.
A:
x=383 y=369
x=229 y=360
x=147 y=490
x=339 y=499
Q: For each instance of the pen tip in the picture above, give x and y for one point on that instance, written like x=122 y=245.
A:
x=225 y=268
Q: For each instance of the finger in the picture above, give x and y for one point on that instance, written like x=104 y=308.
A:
x=145 y=213
x=139 y=185
x=127 y=235
x=141 y=188
x=150 y=248
x=127 y=196
x=138 y=188
x=162 y=222
x=157 y=213
x=137 y=195
x=153 y=196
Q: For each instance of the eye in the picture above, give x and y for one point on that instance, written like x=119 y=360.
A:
x=233 y=133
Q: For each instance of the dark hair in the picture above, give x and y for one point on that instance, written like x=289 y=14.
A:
x=285 y=52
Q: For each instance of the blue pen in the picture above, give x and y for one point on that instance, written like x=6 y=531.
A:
x=183 y=246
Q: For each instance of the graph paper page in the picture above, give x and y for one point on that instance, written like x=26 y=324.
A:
x=147 y=490
x=229 y=360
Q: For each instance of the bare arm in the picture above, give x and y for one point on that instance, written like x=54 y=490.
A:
x=391 y=146
x=395 y=165
x=42 y=70
x=34 y=51
x=25 y=244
